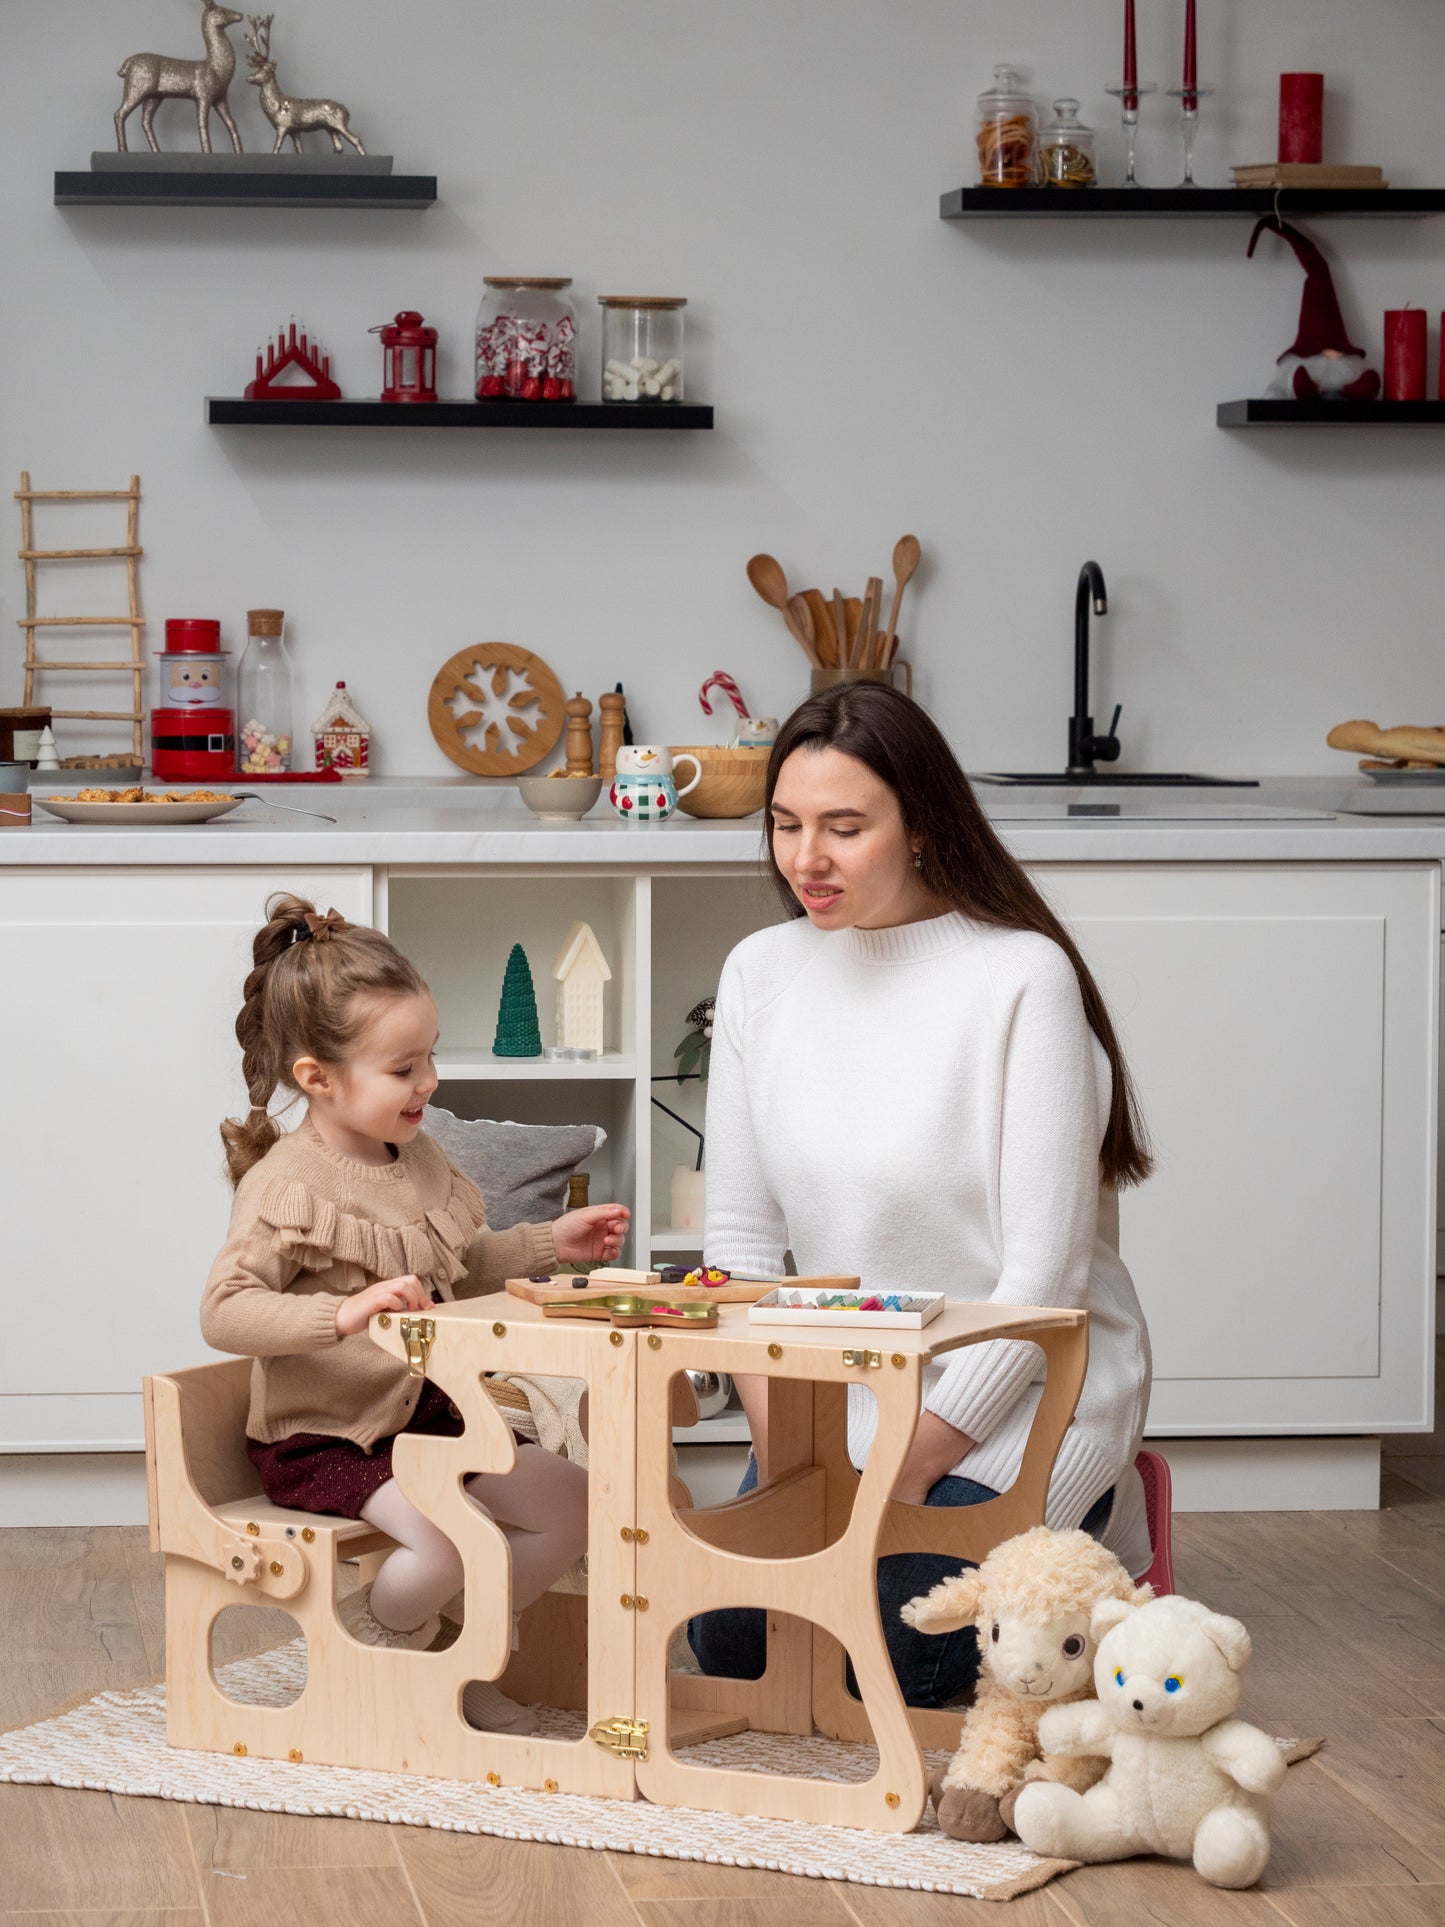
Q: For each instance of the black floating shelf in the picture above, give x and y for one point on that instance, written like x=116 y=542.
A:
x=124 y=188
x=1173 y=203
x=227 y=410
x=1286 y=414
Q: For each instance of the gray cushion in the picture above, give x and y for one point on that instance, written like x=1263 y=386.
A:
x=520 y=1169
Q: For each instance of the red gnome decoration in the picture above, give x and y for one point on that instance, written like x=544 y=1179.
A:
x=1322 y=361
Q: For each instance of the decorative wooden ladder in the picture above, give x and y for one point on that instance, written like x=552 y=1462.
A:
x=30 y=621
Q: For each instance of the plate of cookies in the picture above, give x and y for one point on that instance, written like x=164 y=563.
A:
x=139 y=805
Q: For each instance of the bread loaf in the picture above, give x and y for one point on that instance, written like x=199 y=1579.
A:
x=1412 y=742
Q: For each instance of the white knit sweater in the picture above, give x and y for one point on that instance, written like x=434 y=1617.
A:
x=925 y=1105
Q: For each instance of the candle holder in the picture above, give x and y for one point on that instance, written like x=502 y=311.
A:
x=1128 y=99
x=1189 y=99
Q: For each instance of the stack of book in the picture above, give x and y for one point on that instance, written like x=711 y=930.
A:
x=1307 y=174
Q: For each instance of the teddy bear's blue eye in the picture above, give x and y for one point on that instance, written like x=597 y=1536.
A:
x=1173 y=1683
x=1118 y=1675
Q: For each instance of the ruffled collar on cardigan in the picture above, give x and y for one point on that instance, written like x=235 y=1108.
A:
x=318 y=1233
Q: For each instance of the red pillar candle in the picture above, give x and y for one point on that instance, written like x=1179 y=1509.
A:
x=1404 y=354
x=1301 y=116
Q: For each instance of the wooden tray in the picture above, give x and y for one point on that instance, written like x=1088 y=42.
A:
x=742 y=1291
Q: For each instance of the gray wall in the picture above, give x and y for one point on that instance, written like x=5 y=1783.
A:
x=1020 y=396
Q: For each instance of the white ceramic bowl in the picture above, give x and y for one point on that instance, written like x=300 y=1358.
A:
x=559 y=799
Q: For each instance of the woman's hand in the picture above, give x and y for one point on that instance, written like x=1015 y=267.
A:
x=596 y=1231
x=935 y=1450
x=355 y=1313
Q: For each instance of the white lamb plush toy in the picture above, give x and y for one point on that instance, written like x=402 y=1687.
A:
x=1184 y=1779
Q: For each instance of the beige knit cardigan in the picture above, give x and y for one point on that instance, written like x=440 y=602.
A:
x=310 y=1226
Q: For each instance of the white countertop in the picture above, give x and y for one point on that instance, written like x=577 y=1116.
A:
x=398 y=820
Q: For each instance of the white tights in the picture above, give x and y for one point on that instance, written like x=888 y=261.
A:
x=541 y=1506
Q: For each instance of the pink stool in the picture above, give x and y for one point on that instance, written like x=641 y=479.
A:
x=1154 y=1471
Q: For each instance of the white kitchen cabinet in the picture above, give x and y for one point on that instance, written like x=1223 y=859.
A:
x=1279 y=1021
x=1279 y=1017
x=121 y=989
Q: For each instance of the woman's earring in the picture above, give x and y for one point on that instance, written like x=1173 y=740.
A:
x=918 y=859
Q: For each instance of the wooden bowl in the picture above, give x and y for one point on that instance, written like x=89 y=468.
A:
x=733 y=780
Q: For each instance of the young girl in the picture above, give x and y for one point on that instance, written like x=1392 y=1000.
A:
x=357 y=1211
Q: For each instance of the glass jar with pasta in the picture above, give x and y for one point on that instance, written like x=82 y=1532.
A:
x=1006 y=133
x=1066 y=149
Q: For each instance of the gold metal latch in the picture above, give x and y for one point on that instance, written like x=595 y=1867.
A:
x=417 y=1335
x=862 y=1358
x=626 y=1738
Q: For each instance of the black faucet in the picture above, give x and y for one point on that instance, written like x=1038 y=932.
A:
x=1084 y=746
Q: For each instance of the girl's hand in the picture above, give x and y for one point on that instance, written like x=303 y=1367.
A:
x=355 y=1313
x=596 y=1231
x=936 y=1449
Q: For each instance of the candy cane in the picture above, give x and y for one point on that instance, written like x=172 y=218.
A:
x=724 y=681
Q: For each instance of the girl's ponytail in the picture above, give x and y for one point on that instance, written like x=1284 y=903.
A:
x=300 y=1000
x=248 y=1139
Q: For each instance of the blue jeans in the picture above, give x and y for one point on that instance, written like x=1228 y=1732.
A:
x=932 y=1669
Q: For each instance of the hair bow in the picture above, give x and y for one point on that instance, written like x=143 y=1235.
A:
x=319 y=929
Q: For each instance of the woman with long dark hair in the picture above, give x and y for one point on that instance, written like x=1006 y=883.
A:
x=915 y=1077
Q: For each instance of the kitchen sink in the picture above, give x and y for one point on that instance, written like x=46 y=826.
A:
x=1133 y=779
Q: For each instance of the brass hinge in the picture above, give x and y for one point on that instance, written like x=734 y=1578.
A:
x=626 y=1738
x=417 y=1335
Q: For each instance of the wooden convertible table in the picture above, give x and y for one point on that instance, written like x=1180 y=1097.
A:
x=804 y=1547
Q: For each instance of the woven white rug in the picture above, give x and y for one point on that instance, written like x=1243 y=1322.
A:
x=115 y=1743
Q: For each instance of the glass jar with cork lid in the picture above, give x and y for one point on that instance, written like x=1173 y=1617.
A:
x=264 y=697
x=526 y=339
x=642 y=347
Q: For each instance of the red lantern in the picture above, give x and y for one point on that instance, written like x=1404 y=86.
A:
x=409 y=348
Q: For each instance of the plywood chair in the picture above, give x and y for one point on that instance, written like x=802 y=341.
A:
x=225 y=1544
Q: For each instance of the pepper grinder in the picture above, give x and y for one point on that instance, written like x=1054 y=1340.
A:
x=613 y=708
x=579 y=736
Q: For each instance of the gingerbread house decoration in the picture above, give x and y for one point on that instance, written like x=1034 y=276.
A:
x=580 y=970
x=342 y=736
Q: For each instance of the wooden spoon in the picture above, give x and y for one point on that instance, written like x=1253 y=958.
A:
x=906 y=555
x=802 y=626
x=767 y=577
x=868 y=621
x=825 y=640
x=840 y=624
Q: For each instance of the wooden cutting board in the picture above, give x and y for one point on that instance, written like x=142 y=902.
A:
x=739 y=1292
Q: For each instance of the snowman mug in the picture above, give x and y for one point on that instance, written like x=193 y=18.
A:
x=643 y=791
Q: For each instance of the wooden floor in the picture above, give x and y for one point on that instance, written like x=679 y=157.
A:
x=1347 y=1612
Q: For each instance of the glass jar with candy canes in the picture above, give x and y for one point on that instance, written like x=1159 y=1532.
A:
x=526 y=340
x=641 y=347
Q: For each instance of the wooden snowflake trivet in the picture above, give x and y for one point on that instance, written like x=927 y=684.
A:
x=495 y=709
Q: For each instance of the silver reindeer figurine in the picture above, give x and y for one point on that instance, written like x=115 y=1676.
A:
x=291 y=117
x=153 y=78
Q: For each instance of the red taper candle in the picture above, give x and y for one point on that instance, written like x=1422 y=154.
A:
x=1191 y=51
x=1301 y=116
x=1131 y=55
x=1404 y=354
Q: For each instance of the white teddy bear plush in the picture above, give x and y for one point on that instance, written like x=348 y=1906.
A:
x=1184 y=1779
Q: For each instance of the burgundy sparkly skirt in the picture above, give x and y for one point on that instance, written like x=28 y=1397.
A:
x=317 y=1472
